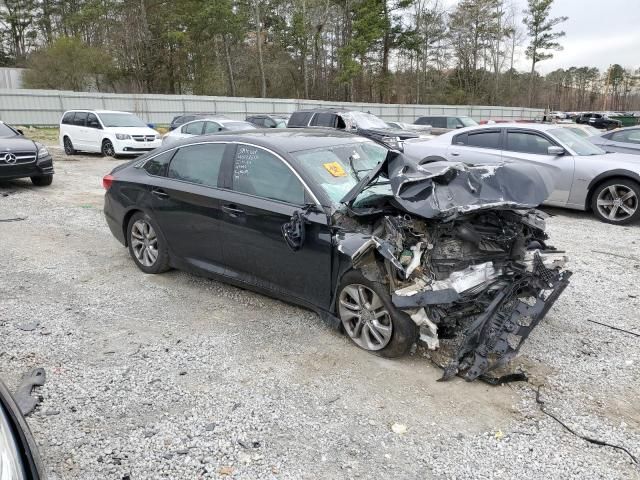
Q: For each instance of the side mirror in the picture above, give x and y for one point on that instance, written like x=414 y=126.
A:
x=556 y=151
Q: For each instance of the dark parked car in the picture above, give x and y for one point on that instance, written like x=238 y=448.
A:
x=189 y=117
x=384 y=247
x=360 y=123
x=599 y=120
x=626 y=140
x=19 y=458
x=269 y=121
x=442 y=123
x=22 y=158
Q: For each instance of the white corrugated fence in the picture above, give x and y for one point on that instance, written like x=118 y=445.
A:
x=45 y=107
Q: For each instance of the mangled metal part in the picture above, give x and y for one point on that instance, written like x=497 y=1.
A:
x=27 y=403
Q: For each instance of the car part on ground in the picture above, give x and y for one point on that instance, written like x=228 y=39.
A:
x=21 y=157
x=23 y=397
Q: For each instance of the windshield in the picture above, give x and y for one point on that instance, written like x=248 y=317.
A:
x=576 y=143
x=468 y=122
x=121 y=120
x=338 y=169
x=239 y=126
x=365 y=120
x=6 y=132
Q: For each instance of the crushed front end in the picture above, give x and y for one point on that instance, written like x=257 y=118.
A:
x=476 y=277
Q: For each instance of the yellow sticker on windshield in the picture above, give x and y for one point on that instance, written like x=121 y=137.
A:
x=335 y=169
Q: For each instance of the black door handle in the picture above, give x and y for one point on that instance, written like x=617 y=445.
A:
x=158 y=192
x=232 y=211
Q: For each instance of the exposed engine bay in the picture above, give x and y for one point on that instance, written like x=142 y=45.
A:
x=463 y=253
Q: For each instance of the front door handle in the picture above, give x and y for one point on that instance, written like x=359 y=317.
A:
x=232 y=211
x=455 y=154
x=158 y=192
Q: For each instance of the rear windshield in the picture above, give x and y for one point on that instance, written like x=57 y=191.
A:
x=121 y=120
x=6 y=132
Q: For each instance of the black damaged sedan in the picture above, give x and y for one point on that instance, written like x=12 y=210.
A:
x=23 y=158
x=392 y=251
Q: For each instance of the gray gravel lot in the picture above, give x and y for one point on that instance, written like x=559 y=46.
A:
x=175 y=376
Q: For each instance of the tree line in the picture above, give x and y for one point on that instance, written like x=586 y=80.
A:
x=397 y=51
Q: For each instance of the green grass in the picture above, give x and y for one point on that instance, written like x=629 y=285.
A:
x=44 y=135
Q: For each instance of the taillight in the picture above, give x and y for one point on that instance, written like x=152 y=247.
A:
x=107 y=180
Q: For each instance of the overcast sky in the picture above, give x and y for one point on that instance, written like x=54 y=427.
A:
x=598 y=34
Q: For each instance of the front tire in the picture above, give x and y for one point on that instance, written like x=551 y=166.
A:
x=370 y=319
x=147 y=246
x=43 y=181
x=616 y=201
x=107 y=148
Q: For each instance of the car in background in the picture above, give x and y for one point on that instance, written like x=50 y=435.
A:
x=23 y=158
x=598 y=120
x=319 y=218
x=360 y=123
x=19 y=457
x=205 y=126
x=444 y=123
x=557 y=115
x=269 y=121
x=624 y=140
x=585 y=131
x=109 y=132
x=189 y=117
x=585 y=176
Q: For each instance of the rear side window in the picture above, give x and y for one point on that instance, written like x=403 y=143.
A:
x=80 y=118
x=454 y=122
x=324 y=120
x=194 y=128
x=198 y=163
x=484 y=139
x=435 y=122
x=68 y=118
x=300 y=119
x=158 y=165
x=258 y=172
x=211 y=127
x=527 y=142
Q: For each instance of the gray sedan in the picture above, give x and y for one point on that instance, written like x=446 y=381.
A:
x=585 y=176
x=623 y=140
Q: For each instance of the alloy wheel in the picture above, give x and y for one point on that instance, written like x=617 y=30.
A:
x=364 y=317
x=144 y=243
x=617 y=202
x=68 y=147
x=107 y=149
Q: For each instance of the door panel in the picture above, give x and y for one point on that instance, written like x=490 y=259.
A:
x=255 y=250
x=519 y=147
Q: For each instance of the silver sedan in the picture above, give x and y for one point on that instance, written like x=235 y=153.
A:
x=586 y=177
x=623 y=140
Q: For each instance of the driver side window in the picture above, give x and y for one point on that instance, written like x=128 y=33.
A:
x=260 y=173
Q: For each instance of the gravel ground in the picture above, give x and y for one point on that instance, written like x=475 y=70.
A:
x=175 y=376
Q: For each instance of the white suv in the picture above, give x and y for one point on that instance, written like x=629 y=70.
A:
x=109 y=132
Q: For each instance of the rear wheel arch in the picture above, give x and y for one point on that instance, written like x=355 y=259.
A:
x=606 y=176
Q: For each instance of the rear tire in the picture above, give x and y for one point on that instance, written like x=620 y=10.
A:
x=617 y=201
x=68 y=146
x=43 y=181
x=370 y=319
x=147 y=245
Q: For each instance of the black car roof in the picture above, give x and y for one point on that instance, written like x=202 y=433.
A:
x=285 y=139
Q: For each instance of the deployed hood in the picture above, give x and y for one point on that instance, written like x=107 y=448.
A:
x=389 y=132
x=442 y=189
